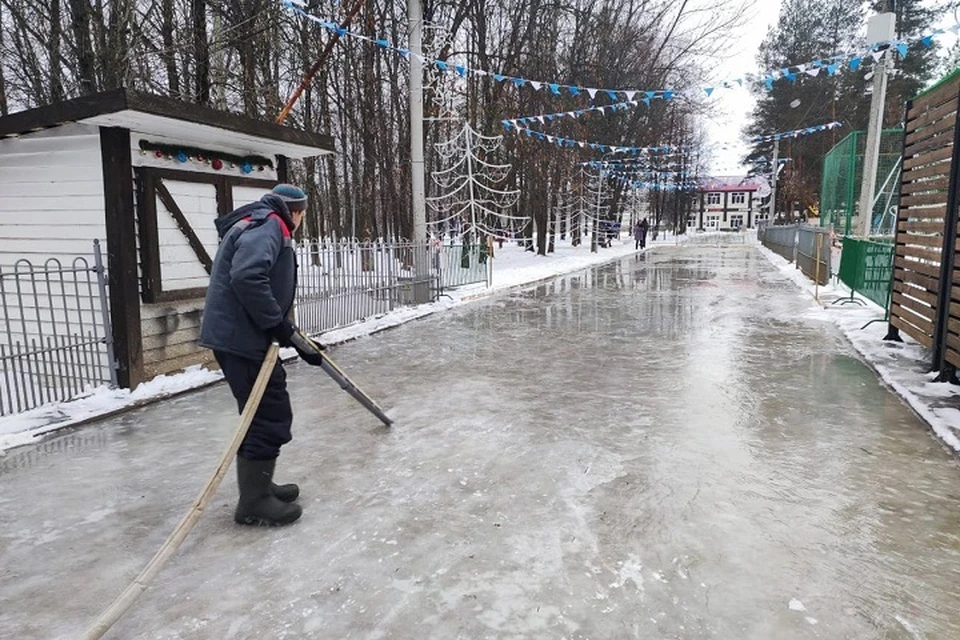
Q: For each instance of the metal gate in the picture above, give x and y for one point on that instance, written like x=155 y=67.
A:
x=55 y=338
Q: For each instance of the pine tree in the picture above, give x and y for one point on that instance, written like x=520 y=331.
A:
x=914 y=20
x=808 y=30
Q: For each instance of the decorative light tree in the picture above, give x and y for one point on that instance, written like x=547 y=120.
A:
x=470 y=203
x=587 y=205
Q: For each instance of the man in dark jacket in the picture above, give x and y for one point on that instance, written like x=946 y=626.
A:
x=251 y=292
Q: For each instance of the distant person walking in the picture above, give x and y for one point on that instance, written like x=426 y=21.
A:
x=644 y=228
x=637 y=235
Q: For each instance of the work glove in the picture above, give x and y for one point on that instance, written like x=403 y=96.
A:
x=283 y=333
x=309 y=350
x=288 y=335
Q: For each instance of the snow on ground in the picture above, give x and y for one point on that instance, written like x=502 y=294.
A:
x=513 y=267
x=904 y=367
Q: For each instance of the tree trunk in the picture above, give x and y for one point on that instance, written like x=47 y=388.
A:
x=169 y=55
x=3 y=83
x=201 y=51
x=80 y=18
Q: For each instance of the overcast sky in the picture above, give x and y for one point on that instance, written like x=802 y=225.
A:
x=732 y=107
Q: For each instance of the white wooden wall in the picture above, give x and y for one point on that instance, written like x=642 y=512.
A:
x=179 y=266
x=51 y=211
x=51 y=194
x=246 y=195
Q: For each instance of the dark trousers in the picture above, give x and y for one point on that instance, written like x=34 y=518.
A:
x=271 y=424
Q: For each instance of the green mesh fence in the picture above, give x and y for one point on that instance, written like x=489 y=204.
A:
x=842 y=173
x=867 y=268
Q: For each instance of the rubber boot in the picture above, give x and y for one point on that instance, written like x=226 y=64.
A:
x=285 y=492
x=258 y=505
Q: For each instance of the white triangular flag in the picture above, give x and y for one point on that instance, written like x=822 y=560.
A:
x=813 y=72
x=593 y=93
x=631 y=95
x=536 y=85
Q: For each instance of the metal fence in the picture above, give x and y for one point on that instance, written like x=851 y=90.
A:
x=866 y=267
x=345 y=282
x=781 y=239
x=842 y=175
x=805 y=245
x=55 y=338
x=813 y=253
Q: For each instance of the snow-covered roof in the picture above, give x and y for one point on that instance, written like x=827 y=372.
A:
x=728 y=183
x=158 y=115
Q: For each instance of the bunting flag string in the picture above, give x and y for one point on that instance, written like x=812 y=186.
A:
x=830 y=64
x=833 y=64
x=630 y=163
x=549 y=117
x=656 y=186
x=796 y=133
x=604 y=148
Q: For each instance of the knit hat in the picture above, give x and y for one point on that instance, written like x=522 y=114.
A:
x=295 y=198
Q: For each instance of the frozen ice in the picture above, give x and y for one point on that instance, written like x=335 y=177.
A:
x=679 y=405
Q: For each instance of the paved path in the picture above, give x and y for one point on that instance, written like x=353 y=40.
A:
x=664 y=447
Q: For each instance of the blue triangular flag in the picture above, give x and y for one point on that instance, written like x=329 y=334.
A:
x=792 y=77
x=768 y=83
x=709 y=91
x=646 y=101
x=855 y=63
x=668 y=95
x=832 y=68
x=404 y=52
x=499 y=78
x=902 y=49
x=441 y=65
x=927 y=41
x=341 y=31
x=461 y=71
x=612 y=94
x=382 y=43
x=651 y=95
x=574 y=91
x=555 y=88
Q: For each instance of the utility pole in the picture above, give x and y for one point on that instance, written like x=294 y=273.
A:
x=773 y=182
x=415 y=18
x=880 y=28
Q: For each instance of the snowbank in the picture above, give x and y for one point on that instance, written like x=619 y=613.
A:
x=513 y=268
x=904 y=367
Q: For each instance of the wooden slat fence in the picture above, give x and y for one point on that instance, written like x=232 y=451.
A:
x=927 y=187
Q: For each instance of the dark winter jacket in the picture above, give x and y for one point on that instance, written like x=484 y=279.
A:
x=253 y=281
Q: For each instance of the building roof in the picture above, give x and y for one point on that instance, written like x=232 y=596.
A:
x=728 y=183
x=151 y=114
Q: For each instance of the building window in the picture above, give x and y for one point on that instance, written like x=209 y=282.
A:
x=738 y=198
x=736 y=221
x=713 y=198
x=713 y=222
